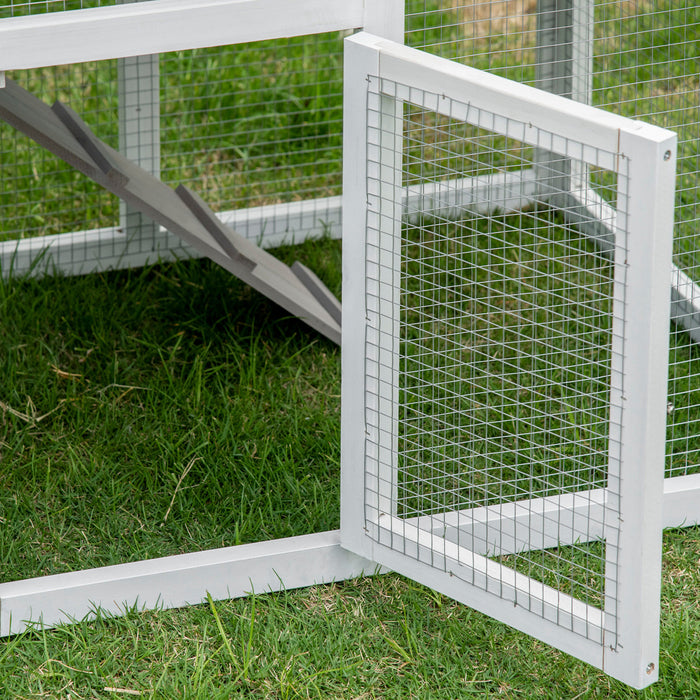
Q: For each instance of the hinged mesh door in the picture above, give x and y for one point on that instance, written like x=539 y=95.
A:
x=500 y=456
x=498 y=354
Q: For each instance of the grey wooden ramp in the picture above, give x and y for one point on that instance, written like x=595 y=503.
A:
x=60 y=130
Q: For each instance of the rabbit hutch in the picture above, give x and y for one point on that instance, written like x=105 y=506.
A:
x=515 y=183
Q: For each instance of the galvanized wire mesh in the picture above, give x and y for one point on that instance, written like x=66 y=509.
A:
x=39 y=194
x=489 y=420
x=636 y=57
x=244 y=125
x=255 y=124
x=20 y=8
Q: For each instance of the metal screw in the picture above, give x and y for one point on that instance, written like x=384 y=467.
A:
x=650 y=668
x=667 y=155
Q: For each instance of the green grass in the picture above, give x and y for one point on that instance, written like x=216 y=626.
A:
x=112 y=386
x=375 y=638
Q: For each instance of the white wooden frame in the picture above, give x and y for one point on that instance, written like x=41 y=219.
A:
x=650 y=212
x=139 y=131
x=144 y=29
x=157 y=26
x=176 y=581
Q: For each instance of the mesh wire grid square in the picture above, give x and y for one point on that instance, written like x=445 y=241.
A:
x=21 y=8
x=257 y=123
x=638 y=58
x=244 y=125
x=500 y=435
x=40 y=194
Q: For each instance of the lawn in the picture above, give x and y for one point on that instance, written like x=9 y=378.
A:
x=112 y=386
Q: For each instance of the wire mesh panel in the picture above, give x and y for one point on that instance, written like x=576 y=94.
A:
x=39 y=194
x=636 y=58
x=227 y=125
x=498 y=352
x=256 y=124
x=20 y=8
x=255 y=127
x=505 y=364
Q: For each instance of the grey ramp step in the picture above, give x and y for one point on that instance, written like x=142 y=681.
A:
x=60 y=130
x=35 y=119
x=268 y=275
x=323 y=295
x=139 y=188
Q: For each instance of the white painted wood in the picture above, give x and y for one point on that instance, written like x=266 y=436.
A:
x=553 y=73
x=645 y=212
x=457 y=585
x=2 y=79
x=498 y=95
x=582 y=50
x=540 y=523
x=564 y=63
x=164 y=25
x=553 y=62
x=513 y=587
x=564 y=67
x=524 y=525
x=358 y=64
x=596 y=219
x=82 y=252
x=685 y=303
x=287 y=223
x=384 y=205
x=618 y=424
x=385 y=18
x=533 y=130
x=139 y=136
x=171 y=582
x=449 y=199
x=593 y=216
x=682 y=501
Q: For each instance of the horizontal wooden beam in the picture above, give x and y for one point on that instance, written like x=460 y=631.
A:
x=172 y=582
x=230 y=572
x=552 y=521
x=159 y=26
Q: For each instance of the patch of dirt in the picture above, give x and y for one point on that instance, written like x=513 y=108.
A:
x=495 y=17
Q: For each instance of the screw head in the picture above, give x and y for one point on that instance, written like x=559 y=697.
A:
x=667 y=155
x=650 y=668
